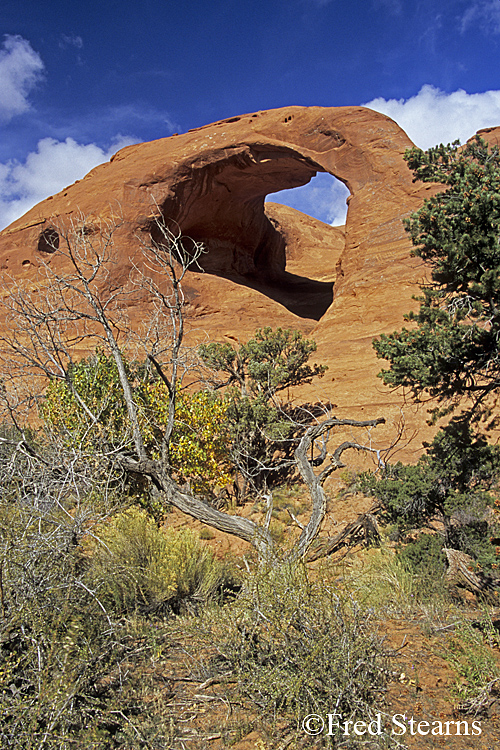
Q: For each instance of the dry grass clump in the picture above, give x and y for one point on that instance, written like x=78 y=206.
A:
x=141 y=567
x=63 y=638
x=472 y=652
x=383 y=581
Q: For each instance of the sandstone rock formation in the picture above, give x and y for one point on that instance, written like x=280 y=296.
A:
x=266 y=264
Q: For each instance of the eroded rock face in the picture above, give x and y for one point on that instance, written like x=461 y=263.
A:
x=266 y=264
x=213 y=182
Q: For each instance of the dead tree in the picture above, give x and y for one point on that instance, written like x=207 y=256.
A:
x=76 y=303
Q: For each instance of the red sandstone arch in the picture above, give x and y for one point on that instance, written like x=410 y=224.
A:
x=267 y=265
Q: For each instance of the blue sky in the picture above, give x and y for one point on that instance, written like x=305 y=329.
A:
x=79 y=80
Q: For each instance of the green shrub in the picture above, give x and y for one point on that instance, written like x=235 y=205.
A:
x=424 y=556
x=425 y=561
x=469 y=651
x=141 y=567
x=451 y=483
x=56 y=641
x=260 y=429
x=296 y=647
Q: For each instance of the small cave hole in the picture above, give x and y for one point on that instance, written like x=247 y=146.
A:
x=48 y=242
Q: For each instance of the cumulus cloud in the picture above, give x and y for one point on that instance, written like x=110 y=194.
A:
x=53 y=166
x=20 y=69
x=433 y=117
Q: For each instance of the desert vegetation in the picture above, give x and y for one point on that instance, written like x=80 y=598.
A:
x=122 y=626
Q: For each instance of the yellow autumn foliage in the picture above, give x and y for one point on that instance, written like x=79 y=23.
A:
x=198 y=449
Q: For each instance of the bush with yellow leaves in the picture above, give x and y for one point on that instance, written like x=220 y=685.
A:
x=90 y=412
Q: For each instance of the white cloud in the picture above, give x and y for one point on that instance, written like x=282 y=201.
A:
x=53 y=166
x=20 y=69
x=433 y=117
x=484 y=12
x=70 y=41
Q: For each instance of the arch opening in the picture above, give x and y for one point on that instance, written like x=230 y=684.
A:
x=221 y=204
x=324 y=198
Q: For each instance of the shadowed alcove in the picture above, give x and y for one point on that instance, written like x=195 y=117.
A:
x=246 y=243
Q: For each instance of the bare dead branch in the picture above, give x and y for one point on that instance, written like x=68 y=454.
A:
x=314 y=482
